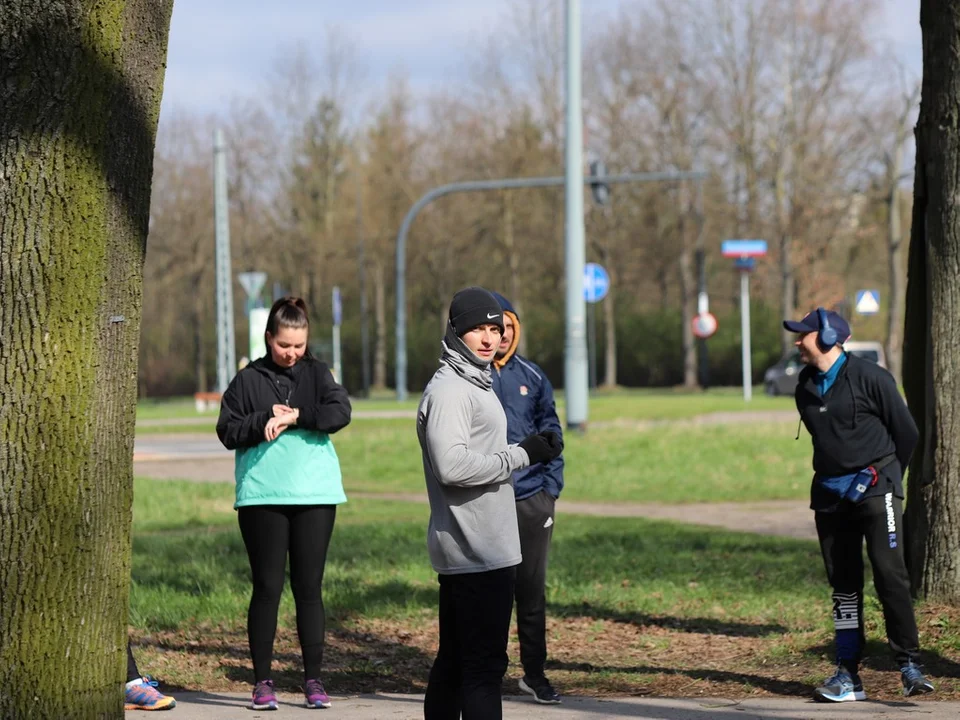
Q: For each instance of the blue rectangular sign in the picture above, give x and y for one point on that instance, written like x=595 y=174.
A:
x=743 y=248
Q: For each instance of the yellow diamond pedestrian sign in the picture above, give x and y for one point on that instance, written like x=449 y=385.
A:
x=868 y=302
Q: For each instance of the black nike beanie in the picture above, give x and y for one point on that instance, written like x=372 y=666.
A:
x=474 y=306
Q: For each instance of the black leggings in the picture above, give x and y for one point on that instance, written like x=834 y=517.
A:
x=132 y=672
x=269 y=532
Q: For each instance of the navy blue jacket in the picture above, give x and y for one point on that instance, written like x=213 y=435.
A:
x=527 y=398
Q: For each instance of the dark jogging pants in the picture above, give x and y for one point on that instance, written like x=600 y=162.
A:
x=535 y=516
x=879 y=521
x=467 y=677
x=269 y=533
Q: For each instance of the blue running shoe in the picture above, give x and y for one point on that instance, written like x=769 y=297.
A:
x=842 y=687
x=914 y=683
x=143 y=695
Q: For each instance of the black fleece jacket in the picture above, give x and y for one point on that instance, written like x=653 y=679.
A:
x=861 y=420
x=308 y=386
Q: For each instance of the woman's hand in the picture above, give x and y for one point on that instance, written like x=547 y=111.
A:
x=279 y=410
x=279 y=423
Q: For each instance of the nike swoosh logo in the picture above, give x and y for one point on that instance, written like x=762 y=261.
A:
x=491 y=317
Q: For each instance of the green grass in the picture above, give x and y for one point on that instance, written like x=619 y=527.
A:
x=186 y=574
x=634 y=404
x=635 y=606
x=668 y=464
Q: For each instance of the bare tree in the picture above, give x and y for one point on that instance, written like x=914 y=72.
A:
x=891 y=129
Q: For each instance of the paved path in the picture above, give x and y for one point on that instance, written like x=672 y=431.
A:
x=201 y=458
x=229 y=706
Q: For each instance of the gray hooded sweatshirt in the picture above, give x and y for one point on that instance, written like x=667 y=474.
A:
x=468 y=464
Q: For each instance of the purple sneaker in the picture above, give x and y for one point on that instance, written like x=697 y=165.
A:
x=264 y=697
x=316 y=696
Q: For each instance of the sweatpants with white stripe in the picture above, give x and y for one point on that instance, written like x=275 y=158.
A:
x=879 y=521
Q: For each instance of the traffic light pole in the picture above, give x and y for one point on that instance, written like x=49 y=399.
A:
x=481 y=185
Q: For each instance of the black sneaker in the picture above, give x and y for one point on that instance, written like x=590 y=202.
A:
x=914 y=683
x=541 y=689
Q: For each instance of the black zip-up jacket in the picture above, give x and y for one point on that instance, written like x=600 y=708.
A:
x=308 y=386
x=861 y=420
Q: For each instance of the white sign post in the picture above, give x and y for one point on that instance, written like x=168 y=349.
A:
x=745 y=253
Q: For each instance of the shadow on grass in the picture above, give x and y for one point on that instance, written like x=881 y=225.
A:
x=771 y=685
x=709 y=626
x=354 y=662
x=878 y=656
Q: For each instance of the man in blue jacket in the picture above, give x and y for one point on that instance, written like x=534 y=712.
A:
x=527 y=399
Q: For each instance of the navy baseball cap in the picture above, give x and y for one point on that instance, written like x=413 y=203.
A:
x=811 y=323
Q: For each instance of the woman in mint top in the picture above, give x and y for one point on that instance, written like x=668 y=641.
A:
x=278 y=414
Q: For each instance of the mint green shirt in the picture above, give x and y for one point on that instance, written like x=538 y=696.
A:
x=300 y=467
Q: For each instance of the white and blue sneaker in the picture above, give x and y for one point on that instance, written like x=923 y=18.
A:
x=842 y=687
x=914 y=683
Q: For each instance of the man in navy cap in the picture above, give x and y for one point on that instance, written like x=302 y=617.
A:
x=863 y=436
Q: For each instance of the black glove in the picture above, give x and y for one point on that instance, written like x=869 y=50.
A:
x=542 y=447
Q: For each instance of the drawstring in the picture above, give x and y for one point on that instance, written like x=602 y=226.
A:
x=853 y=396
x=799 y=423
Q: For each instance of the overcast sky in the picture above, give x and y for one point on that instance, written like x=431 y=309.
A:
x=221 y=49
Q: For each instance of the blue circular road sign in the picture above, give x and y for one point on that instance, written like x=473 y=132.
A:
x=596 y=283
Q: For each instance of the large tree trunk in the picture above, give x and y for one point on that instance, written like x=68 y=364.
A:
x=80 y=86
x=932 y=338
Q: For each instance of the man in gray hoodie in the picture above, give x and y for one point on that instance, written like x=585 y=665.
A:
x=472 y=538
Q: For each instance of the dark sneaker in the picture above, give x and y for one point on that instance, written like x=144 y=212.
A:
x=842 y=687
x=316 y=696
x=541 y=689
x=264 y=696
x=914 y=683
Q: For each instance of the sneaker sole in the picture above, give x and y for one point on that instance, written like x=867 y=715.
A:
x=530 y=691
x=267 y=706
x=157 y=708
x=318 y=706
x=922 y=690
x=846 y=697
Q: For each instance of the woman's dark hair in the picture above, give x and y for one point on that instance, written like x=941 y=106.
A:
x=287 y=312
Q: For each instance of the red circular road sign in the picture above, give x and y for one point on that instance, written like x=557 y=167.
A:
x=704 y=325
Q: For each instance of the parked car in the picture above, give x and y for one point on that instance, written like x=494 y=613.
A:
x=781 y=379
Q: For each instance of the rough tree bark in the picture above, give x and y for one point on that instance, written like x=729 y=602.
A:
x=931 y=335
x=80 y=87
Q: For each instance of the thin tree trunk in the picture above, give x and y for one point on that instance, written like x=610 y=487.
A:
x=199 y=341
x=932 y=339
x=896 y=271
x=688 y=307
x=380 y=318
x=513 y=261
x=610 y=332
x=788 y=298
x=79 y=100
